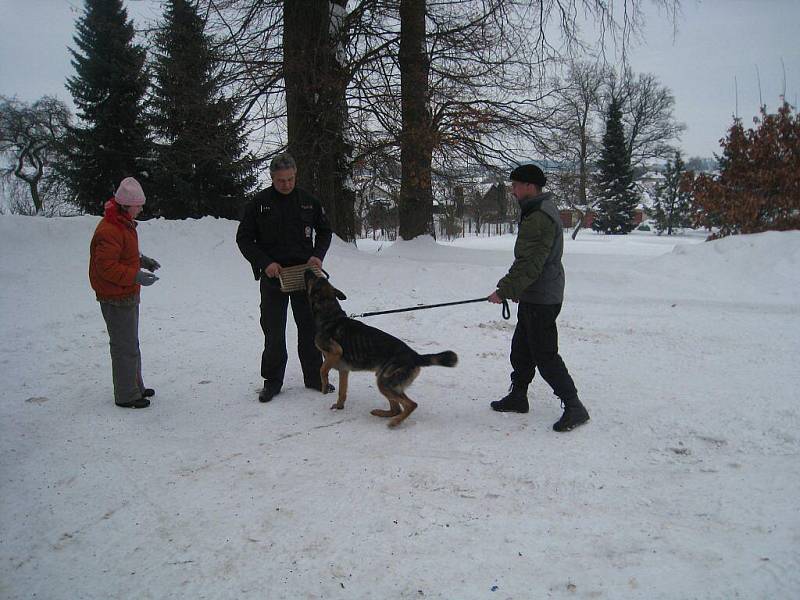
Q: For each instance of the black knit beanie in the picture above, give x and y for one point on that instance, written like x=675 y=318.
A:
x=529 y=174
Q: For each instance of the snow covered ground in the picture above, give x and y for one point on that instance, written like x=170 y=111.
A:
x=685 y=484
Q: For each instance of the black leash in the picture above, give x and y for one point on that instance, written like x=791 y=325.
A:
x=506 y=309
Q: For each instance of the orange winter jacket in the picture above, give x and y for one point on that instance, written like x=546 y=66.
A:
x=114 y=256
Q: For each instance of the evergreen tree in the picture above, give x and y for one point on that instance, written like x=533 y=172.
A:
x=615 y=183
x=110 y=143
x=199 y=167
x=672 y=205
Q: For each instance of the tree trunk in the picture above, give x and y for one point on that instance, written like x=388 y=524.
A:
x=37 y=200
x=577 y=227
x=317 y=109
x=32 y=180
x=416 y=195
x=583 y=176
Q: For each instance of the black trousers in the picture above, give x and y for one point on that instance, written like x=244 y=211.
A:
x=274 y=306
x=535 y=344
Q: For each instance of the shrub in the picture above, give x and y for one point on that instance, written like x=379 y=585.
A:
x=758 y=186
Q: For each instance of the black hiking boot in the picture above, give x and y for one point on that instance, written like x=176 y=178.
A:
x=148 y=393
x=575 y=415
x=271 y=389
x=138 y=403
x=515 y=401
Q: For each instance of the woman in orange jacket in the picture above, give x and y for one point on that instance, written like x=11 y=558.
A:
x=116 y=275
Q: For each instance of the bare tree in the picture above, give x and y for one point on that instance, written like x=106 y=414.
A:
x=584 y=95
x=316 y=83
x=648 y=117
x=249 y=43
x=416 y=138
x=15 y=197
x=30 y=139
x=575 y=143
x=484 y=100
x=487 y=64
x=289 y=64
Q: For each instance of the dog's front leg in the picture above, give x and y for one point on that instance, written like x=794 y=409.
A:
x=331 y=356
x=323 y=372
x=343 y=376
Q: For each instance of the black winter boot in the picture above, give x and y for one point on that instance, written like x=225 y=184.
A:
x=575 y=415
x=271 y=389
x=515 y=401
x=139 y=403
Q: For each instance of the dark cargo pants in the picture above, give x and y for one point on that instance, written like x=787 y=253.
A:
x=274 y=306
x=122 y=323
x=535 y=344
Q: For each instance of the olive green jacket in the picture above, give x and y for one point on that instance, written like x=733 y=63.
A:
x=537 y=275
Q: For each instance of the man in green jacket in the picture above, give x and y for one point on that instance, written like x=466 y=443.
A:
x=536 y=281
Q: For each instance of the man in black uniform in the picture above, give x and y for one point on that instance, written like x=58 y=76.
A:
x=284 y=226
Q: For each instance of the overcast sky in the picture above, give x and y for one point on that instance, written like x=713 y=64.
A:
x=720 y=49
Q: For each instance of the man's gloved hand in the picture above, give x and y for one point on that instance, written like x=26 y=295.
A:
x=145 y=278
x=151 y=264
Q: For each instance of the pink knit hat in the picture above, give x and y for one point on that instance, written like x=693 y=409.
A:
x=129 y=193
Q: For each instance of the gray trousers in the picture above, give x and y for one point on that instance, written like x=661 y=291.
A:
x=122 y=323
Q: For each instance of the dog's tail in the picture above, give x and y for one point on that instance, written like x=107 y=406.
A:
x=442 y=359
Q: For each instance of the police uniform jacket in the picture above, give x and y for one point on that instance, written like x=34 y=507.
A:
x=286 y=229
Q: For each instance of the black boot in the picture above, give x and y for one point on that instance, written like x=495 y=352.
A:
x=515 y=401
x=148 y=393
x=138 y=403
x=575 y=414
x=271 y=389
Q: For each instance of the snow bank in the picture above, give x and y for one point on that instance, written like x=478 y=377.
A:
x=764 y=267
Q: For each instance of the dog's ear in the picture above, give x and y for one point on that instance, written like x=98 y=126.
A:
x=339 y=295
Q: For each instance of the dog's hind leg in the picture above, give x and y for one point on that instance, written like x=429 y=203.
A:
x=408 y=407
x=343 y=377
x=331 y=356
x=394 y=404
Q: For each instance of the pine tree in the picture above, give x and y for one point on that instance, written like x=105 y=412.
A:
x=200 y=167
x=111 y=141
x=614 y=182
x=672 y=204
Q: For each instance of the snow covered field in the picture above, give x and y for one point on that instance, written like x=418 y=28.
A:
x=685 y=483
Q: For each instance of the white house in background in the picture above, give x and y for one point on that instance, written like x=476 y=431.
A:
x=376 y=192
x=648 y=183
x=651 y=179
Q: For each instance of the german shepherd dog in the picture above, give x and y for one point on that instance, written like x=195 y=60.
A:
x=349 y=345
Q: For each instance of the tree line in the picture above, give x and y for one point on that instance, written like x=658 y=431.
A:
x=417 y=93
x=162 y=117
